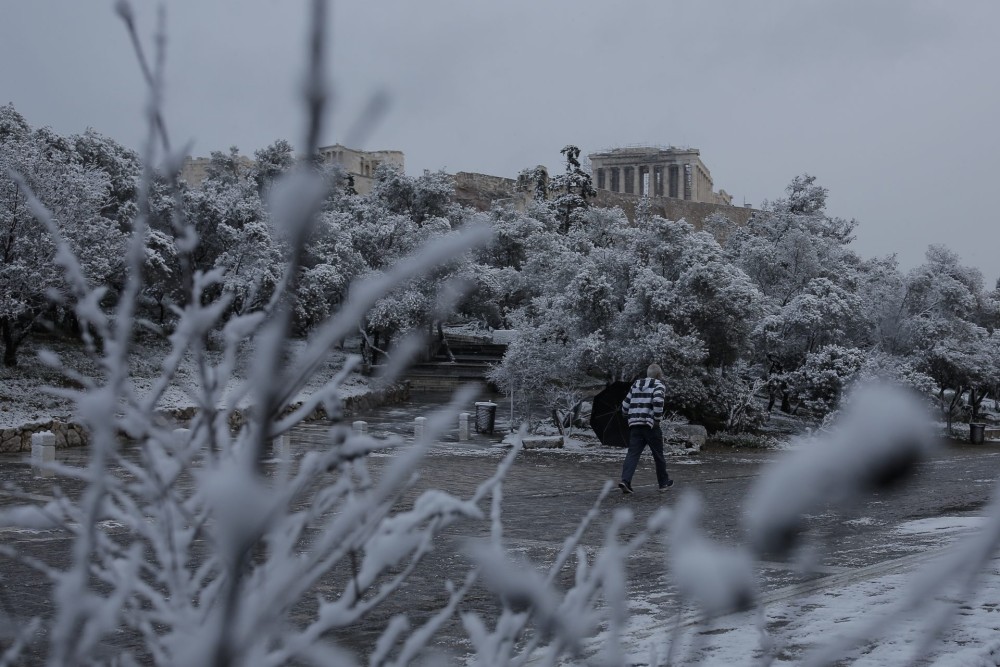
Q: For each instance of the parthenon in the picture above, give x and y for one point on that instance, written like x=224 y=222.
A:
x=656 y=171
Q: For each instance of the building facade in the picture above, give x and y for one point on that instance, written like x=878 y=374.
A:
x=656 y=171
x=360 y=165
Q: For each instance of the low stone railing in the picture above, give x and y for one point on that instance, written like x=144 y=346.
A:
x=67 y=434
x=71 y=434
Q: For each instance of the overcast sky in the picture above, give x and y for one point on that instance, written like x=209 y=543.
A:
x=892 y=104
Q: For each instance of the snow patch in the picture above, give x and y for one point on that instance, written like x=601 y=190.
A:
x=941 y=524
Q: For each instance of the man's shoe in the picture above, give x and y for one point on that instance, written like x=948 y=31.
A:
x=625 y=487
x=666 y=486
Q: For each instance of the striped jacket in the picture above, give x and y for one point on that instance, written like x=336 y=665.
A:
x=644 y=404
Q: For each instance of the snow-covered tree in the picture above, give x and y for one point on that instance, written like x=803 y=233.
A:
x=793 y=241
x=716 y=300
x=822 y=314
x=534 y=180
x=881 y=291
x=569 y=191
x=40 y=169
x=946 y=308
x=270 y=162
x=423 y=197
x=96 y=151
x=608 y=298
x=233 y=232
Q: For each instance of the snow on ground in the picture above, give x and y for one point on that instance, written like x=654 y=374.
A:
x=800 y=624
x=795 y=622
x=25 y=398
x=940 y=525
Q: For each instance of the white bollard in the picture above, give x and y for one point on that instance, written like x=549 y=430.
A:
x=282 y=446
x=360 y=427
x=43 y=451
x=418 y=427
x=463 y=426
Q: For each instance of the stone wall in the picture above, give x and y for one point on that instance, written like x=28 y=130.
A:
x=18 y=439
x=479 y=191
x=69 y=434
x=673 y=209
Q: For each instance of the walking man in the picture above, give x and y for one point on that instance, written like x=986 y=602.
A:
x=643 y=407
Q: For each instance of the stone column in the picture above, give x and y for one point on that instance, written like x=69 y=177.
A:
x=360 y=427
x=418 y=427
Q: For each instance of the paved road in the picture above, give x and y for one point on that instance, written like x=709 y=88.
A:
x=548 y=491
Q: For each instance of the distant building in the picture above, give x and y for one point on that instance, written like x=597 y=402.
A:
x=195 y=169
x=656 y=171
x=481 y=191
x=360 y=164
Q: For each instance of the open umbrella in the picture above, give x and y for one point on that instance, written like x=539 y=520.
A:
x=606 y=416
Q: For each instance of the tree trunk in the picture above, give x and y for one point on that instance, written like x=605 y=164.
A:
x=443 y=343
x=955 y=401
x=976 y=400
x=9 y=344
x=786 y=403
x=557 y=420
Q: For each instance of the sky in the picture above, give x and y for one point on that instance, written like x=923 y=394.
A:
x=892 y=105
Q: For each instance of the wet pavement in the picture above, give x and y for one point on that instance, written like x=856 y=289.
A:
x=546 y=494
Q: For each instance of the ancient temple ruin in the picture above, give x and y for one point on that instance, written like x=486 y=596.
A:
x=656 y=171
x=361 y=165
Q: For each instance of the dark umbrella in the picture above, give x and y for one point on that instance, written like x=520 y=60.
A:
x=606 y=416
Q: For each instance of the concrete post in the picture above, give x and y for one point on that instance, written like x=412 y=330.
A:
x=43 y=447
x=282 y=446
x=43 y=452
x=463 y=426
x=360 y=427
x=418 y=427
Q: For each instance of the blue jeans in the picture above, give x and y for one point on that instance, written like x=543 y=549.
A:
x=638 y=438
